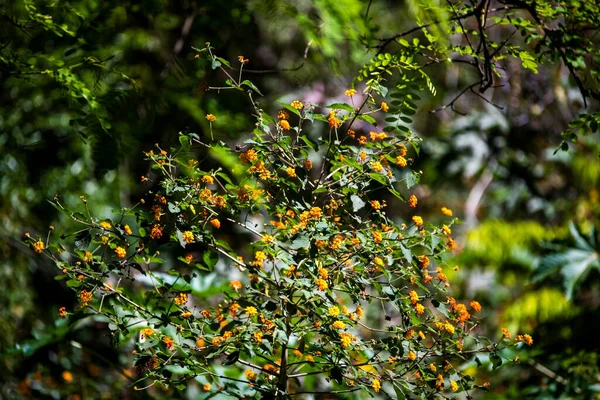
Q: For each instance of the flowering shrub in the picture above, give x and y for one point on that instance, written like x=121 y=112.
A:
x=332 y=296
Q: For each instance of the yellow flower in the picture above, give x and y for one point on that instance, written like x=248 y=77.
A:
x=156 y=232
x=412 y=201
x=338 y=325
x=322 y=284
x=346 y=339
x=285 y=125
x=401 y=161
x=376 y=166
x=334 y=311
x=384 y=106
x=528 y=339
x=333 y=121
x=127 y=230
x=67 y=376
x=412 y=356
x=446 y=211
x=237 y=285
x=291 y=172
x=120 y=252
x=105 y=225
x=258 y=336
x=207 y=387
x=207 y=179
x=251 y=311
x=359 y=311
x=350 y=92
x=476 y=306
x=147 y=332
x=419 y=309
x=211 y=118
x=297 y=104
x=188 y=237
x=453 y=386
x=423 y=261
x=250 y=375
x=376 y=385
x=85 y=298
x=446 y=230
x=414 y=297
x=267 y=238
x=181 y=299
x=323 y=273
x=39 y=246
x=418 y=220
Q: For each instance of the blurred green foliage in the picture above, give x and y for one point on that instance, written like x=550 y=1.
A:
x=86 y=85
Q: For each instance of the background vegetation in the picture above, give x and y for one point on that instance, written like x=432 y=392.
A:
x=87 y=86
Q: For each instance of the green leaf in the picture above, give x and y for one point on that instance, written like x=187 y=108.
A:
x=173 y=208
x=210 y=258
x=82 y=240
x=412 y=179
x=379 y=178
x=289 y=108
x=74 y=283
x=251 y=85
x=232 y=358
x=341 y=106
x=357 y=203
x=368 y=119
x=185 y=142
x=300 y=243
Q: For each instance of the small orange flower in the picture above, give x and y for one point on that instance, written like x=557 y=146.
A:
x=215 y=223
x=297 y=105
x=476 y=306
x=237 y=285
x=156 y=232
x=168 y=342
x=384 y=106
x=376 y=385
x=350 y=92
x=62 y=312
x=67 y=376
x=105 y=225
x=127 y=230
x=418 y=221
x=120 y=252
x=285 y=125
x=188 y=237
x=446 y=211
x=211 y=118
x=412 y=201
x=39 y=246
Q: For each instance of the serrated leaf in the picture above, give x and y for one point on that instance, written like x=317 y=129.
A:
x=412 y=179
